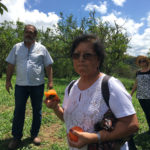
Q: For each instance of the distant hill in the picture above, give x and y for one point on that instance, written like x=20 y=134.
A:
x=130 y=60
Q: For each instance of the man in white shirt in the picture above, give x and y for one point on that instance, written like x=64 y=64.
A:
x=30 y=59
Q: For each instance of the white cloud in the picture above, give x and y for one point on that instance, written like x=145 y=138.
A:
x=128 y=24
x=132 y=27
x=143 y=19
x=17 y=11
x=117 y=13
x=148 y=19
x=139 y=42
x=102 y=8
x=119 y=2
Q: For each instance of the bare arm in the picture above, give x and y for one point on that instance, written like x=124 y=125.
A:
x=124 y=127
x=9 y=73
x=49 y=72
x=134 y=87
x=59 y=111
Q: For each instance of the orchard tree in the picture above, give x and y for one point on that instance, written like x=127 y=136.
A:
x=8 y=37
x=58 y=43
x=58 y=40
x=115 y=41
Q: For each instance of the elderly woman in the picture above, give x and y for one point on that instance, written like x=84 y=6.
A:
x=142 y=84
x=84 y=105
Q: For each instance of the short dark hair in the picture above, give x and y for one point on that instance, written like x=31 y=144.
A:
x=95 y=41
x=35 y=30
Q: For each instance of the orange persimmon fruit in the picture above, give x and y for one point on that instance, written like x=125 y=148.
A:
x=72 y=136
x=51 y=95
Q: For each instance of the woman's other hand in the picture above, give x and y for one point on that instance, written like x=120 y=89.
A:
x=84 y=138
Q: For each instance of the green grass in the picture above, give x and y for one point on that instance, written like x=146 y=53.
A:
x=53 y=132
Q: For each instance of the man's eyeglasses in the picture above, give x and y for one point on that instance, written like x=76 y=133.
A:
x=85 y=56
x=142 y=61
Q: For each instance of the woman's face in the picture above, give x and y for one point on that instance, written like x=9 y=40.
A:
x=143 y=62
x=85 y=60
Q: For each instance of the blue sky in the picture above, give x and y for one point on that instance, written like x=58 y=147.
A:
x=133 y=15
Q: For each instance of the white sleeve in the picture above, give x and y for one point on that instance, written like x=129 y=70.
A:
x=47 y=58
x=120 y=100
x=11 y=58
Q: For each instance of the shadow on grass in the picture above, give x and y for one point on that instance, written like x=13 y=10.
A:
x=143 y=140
x=24 y=143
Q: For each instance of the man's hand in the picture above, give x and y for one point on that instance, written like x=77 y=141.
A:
x=50 y=85
x=8 y=86
x=9 y=73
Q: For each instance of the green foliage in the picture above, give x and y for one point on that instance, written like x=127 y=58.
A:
x=8 y=37
x=2 y=8
x=128 y=83
x=58 y=41
x=123 y=70
x=57 y=147
x=53 y=131
x=116 y=45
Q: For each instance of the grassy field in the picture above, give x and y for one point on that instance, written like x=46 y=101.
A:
x=52 y=131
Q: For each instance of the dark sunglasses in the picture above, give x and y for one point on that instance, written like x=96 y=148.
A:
x=142 y=61
x=85 y=56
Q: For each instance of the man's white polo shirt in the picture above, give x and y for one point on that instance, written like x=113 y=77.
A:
x=29 y=63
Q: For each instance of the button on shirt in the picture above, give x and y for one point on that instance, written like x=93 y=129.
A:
x=29 y=63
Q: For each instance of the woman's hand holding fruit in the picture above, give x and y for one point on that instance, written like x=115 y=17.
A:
x=52 y=99
x=78 y=138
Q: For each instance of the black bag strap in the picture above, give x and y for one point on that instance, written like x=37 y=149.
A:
x=105 y=89
x=70 y=86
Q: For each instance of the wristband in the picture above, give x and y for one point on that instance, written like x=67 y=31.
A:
x=99 y=137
